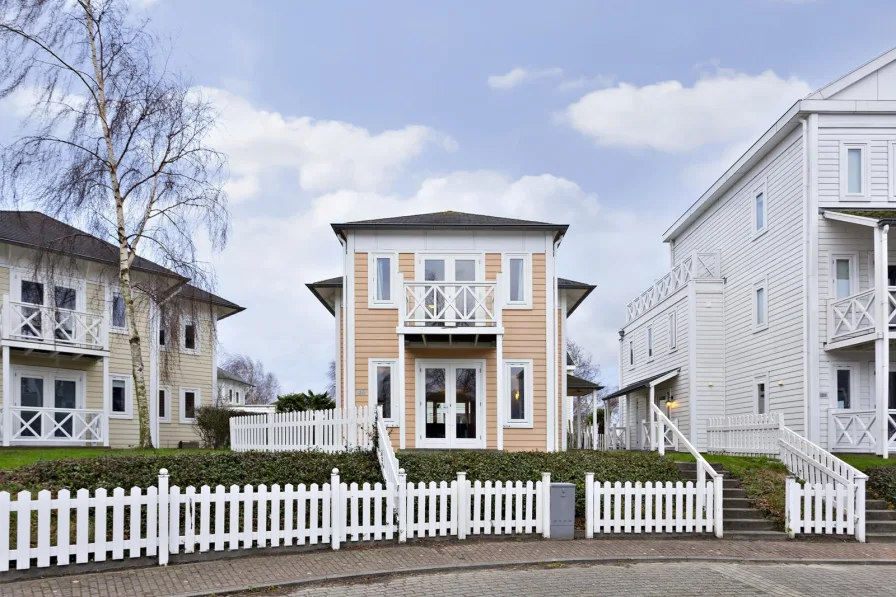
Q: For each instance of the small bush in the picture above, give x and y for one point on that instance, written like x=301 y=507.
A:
x=289 y=403
x=565 y=467
x=882 y=482
x=213 y=426
x=197 y=469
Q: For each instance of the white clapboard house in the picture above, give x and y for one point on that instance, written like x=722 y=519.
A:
x=781 y=290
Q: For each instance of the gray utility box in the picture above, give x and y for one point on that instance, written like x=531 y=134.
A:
x=563 y=510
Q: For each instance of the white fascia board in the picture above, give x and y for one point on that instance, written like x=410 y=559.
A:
x=854 y=76
x=850 y=218
x=664 y=378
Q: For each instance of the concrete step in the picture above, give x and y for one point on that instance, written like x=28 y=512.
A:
x=692 y=466
x=728 y=482
x=736 y=503
x=880 y=526
x=741 y=513
x=877 y=505
x=880 y=514
x=880 y=537
x=733 y=492
x=754 y=535
x=748 y=524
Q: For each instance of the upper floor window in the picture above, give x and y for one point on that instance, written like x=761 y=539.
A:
x=381 y=279
x=760 y=304
x=854 y=170
x=118 y=322
x=673 y=330
x=189 y=336
x=844 y=275
x=760 y=210
x=649 y=343
x=631 y=353
x=518 y=268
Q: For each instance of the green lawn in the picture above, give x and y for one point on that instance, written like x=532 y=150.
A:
x=863 y=463
x=12 y=458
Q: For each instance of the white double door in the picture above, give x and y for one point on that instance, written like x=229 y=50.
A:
x=450 y=404
x=58 y=390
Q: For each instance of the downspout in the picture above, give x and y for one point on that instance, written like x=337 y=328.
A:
x=812 y=416
x=806 y=257
x=883 y=401
x=344 y=315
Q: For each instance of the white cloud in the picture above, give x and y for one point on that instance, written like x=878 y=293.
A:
x=322 y=155
x=670 y=117
x=519 y=75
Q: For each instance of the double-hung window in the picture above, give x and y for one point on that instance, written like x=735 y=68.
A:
x=760 y=210
x=518 y=392
x=382 y=273
x=518 y=279
x=383 y=385
x=122 y=399
x=189 y=402
x=760 y=304
x=854 y=171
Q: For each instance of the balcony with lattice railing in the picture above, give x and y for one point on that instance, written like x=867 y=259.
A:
x=699 y=265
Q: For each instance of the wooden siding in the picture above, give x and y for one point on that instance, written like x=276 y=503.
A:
x=879 y=132
x=777 y=254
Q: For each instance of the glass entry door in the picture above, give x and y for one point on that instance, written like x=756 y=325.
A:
x=450 y=405
x=56 y=389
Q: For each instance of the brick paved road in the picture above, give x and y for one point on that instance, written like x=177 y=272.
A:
x=661 y=580
x=259 y=571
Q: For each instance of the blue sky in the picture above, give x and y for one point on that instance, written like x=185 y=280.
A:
x=610 y=116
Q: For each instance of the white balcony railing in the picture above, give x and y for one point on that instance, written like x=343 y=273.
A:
x=859 y=431
x=450 y=304
x=31 y=424
x=855 y=315
x=52 y=326
x=697 y=266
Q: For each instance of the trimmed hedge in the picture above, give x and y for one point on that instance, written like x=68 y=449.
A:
x=565 y=467
x=882 y=482
x=197 y=469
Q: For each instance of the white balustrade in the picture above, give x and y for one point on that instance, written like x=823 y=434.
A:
x=458 y=304
x=852 y=315
x=696 y=266
x=858 y=430
x=27 y=322
x=39 y=425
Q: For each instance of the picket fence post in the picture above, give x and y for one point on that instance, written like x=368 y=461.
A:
x=859 y=497
x=546 y=505
x=402 y=506
x=270 y=426
x=792 y=507
x=589 y=505
x=164 y=498
x=463 y=506
x=718 y=506
x=335 y=515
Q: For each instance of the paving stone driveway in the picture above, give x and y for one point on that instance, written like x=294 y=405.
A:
x=661 y=580
x=202 y=578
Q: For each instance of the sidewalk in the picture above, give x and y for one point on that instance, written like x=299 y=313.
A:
x=200 y=578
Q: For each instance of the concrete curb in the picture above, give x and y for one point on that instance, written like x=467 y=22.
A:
x=600 y=560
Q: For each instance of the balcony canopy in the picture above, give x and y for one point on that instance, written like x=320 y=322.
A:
x=576 y=386
x=644 y=383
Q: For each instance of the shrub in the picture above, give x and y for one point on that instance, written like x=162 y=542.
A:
x=565 y=467
x=213 y=425
x=197 y=469
x=289 y=403
x=882 y=482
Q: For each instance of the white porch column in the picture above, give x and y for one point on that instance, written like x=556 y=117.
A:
x=7 y=397
x=594 y=420
x=883 y=364
x=107 y=401
x=402 y=432
x=499 y=389
x=652 y=432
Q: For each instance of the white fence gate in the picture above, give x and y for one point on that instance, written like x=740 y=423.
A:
x=821 y=508
x=334 y=430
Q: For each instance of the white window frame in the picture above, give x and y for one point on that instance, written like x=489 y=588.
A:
x=50 y=375
x=184 y=322
x=128 y=396
x=845 y=195
x=853 y=259
x=167 y=417
x=372 y=301
x=631 y=354
x=111 y=298
x=891 y=195
x=854 y=370
x=528 y=402
x=372 y=365
x=182 y=403
x=673 y=331
x=651 y=350
x=237 y=396
x=762 y=189
x=762 y=378
x=759 y=283
x=526 y=303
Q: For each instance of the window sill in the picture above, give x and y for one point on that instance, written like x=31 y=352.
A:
x=759 y=233
x=673 y=350
x=120 y=331
x=848 y=197
x=187 y=421
x=123 y=416
x=758 y=329
x=519 y=425
x=372 y=305
x=164 y=420
x=194 y=353
x=517 y=306
x=391 y=424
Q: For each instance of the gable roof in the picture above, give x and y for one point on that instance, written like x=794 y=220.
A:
x=449 y=220
x=853 y=76
x=225 y=374
x=36 y=230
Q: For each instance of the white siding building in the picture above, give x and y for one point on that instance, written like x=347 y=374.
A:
x=780 y=286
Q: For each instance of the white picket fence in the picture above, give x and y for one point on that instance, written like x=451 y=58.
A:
x=650 y=507
x=822 y=508
x=743 y=435
x=334 y=430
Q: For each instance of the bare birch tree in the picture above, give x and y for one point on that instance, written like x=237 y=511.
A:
x=115 y=142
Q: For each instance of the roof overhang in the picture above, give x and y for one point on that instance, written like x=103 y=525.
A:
x=577 y=386
x=785 y=125
x=648 y=382
x=325 y=291
x=576 y=293
x=872 y=218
